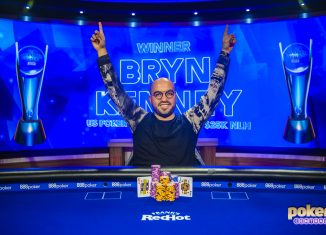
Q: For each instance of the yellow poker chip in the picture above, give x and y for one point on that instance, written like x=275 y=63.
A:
x=165 y=189
x=164 y=180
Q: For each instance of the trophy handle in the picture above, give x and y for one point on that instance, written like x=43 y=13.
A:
x=45 y=59
x=287 y=80
x=19 y=81
x=310 y=69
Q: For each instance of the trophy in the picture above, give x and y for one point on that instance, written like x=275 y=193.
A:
x=297 y=64
x=30 y=66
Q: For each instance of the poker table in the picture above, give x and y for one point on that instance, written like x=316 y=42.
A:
x=233 y=200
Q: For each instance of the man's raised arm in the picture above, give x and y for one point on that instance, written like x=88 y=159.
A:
x=198 y=114
x=130 y=111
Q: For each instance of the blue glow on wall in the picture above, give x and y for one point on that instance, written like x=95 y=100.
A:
x=76 y=113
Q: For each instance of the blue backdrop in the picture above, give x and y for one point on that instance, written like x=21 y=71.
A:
x=76 y=113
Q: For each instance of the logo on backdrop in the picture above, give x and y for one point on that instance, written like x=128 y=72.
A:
x=297 y=64
x=30 y=67
x=307 y=215
x=165 y=216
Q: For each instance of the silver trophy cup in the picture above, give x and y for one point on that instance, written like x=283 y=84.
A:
x=297 y=64
x=30 y=67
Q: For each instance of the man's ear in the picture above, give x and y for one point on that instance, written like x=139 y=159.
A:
x=150 y=99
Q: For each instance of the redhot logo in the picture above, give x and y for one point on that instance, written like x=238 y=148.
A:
x=165 y=216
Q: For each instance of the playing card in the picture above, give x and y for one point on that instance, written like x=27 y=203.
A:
x=185 y=186
x=144 y=186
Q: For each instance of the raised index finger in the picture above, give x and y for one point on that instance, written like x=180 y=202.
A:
x=226 y=30
x=100 y=27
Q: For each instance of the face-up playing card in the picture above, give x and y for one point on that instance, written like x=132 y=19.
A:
x=185 y=186
x=144 y=186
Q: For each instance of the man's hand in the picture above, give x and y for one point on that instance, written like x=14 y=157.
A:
x=98 y=41
x=229 y=40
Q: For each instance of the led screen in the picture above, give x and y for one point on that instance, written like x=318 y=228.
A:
x=271 y=99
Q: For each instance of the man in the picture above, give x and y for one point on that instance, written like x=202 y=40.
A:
x=163 y=137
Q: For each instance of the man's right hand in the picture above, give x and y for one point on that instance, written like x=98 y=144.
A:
x=98 y=41
x=228 y=41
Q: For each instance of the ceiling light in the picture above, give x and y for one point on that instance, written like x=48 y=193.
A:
x=304 y=15
x=80 y=22
x=196 y=23
x=133 y=24
x=26 y=18
x=248 y=20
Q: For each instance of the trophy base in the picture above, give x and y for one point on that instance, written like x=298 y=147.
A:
x=299 y=131
x=29 y=133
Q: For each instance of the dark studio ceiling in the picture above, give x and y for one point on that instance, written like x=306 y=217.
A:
x=160 y=10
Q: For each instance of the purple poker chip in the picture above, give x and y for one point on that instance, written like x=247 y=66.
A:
x=153 y=189
x=176 y=187
x=156 y=172
x=167 y=173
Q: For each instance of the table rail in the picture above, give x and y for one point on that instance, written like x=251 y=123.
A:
x=106 y=173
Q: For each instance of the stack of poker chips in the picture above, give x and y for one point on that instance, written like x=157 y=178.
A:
x=163 y=188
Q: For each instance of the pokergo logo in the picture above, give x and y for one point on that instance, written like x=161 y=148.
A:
x=165 y=216
x=307 y=215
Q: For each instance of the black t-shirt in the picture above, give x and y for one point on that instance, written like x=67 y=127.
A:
x=167 y=143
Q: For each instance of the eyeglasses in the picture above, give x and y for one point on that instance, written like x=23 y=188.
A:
x=159 y=94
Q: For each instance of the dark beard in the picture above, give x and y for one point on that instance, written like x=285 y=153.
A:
x=164 y=115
